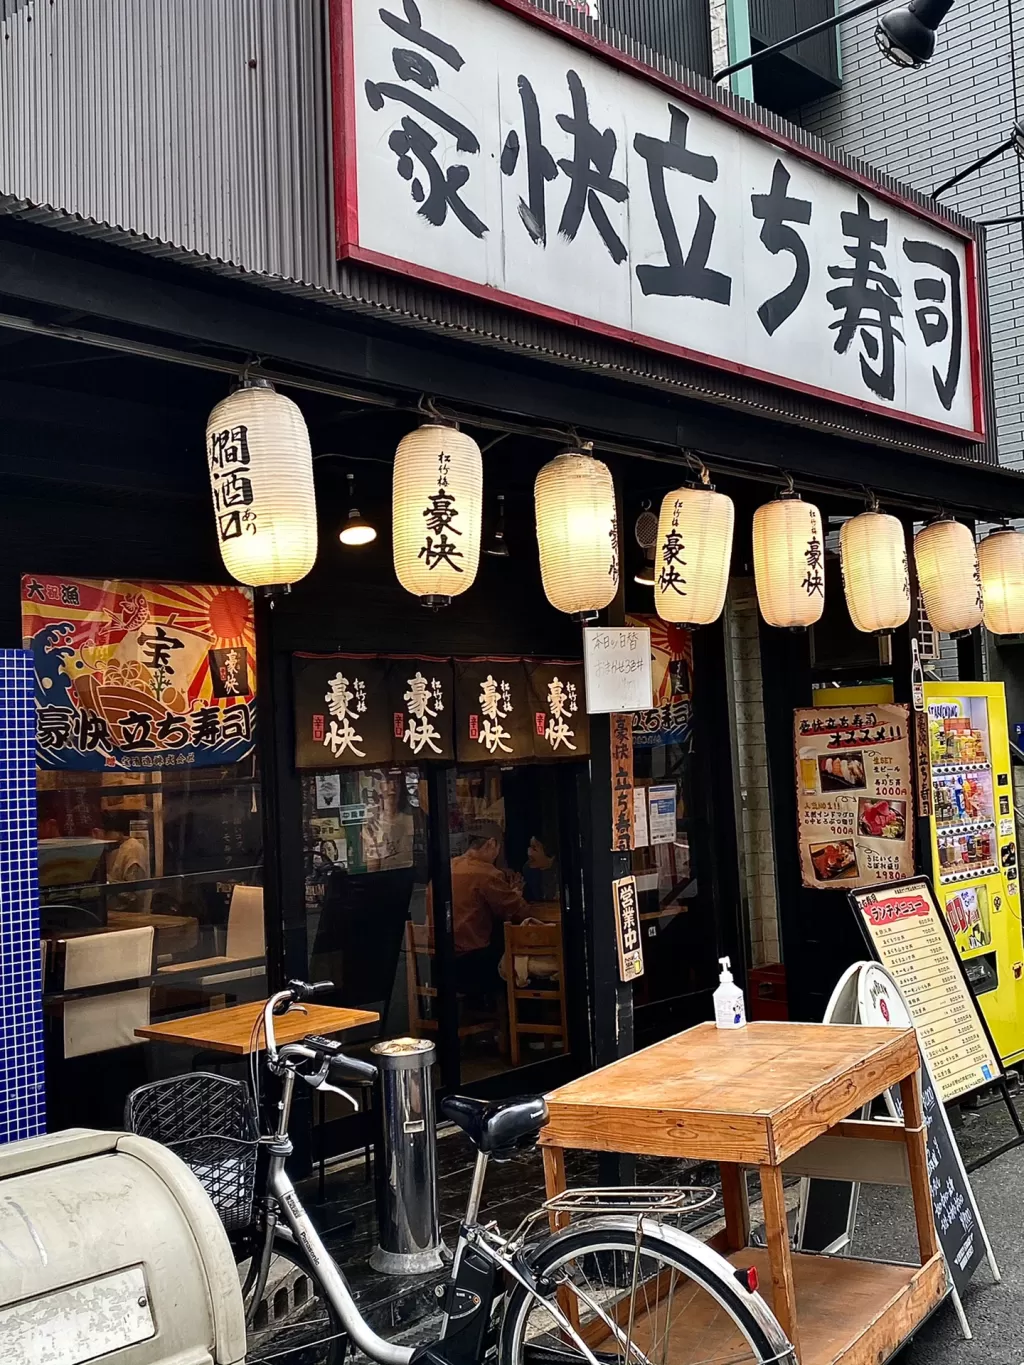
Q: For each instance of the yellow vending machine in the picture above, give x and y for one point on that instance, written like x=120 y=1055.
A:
x=974 y=848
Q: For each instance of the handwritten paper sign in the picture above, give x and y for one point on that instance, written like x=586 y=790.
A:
x=622 y=783
x=627 y=929
x=854 y=798
x=617 y=669
x=909 y=937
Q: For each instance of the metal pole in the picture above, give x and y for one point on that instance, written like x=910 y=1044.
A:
x=975 y=166
x=823 y=27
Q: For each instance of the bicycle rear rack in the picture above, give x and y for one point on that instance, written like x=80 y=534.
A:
x=660 y=1200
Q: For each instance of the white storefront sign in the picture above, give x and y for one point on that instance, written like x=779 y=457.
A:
x=480 y=149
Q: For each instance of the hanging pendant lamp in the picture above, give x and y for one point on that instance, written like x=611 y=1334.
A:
x=577 y=533
x=693 y=555
x=789 y=562
x=261 y=477
x=950 y=578
x=436 y=512
x=876 y=575
x=1001 y=561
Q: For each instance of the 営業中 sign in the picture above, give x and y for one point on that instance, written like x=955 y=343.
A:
x=617 y=668
x=854 y=803
x=480 y=147
x=627 y=929
x=903 y=925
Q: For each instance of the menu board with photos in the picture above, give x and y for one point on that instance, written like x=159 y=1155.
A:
x=904 y=928
x=854 y=795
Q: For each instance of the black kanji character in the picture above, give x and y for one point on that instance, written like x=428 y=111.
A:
x=156 y=648
x=69 y=595
x=442 y=512
x=814 y=580
x=234 y=524
x=92 y=732
x=413 y=140
x=540 y=165
x=233 y=490
x=136 y=731
x=54 y=726
x=35 y=591
x=206 y=725
x=590 y=173
x=377 y=92
x=687 y=275
x=775 y=209
x=869 y=301
x=411 y=29
x=932 y=320
x=439 y=551
x=229 y=447
x=670 y=578
x=237 y=724
x=172 y=731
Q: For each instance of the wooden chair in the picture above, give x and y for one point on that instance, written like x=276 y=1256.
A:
x=419 y=952
x=526 y=941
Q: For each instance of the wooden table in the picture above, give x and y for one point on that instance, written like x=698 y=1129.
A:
x=231 y=1030
x=775 y=1096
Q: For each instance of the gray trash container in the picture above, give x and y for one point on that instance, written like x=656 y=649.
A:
x=410 y=1242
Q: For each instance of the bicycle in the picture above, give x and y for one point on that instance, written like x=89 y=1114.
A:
x=621 y=1286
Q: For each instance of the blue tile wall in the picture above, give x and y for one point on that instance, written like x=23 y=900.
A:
x=22 y=1082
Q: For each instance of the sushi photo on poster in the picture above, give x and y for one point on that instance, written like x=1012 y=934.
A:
x=853 y=775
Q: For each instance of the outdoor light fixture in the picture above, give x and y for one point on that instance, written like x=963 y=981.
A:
x=645 y=532
x=876 y=576
x=261 y=476
x=356 y=530
x=906 y=35
x=577 y=533
x=436 y=512
x=1015 y=142
x=499 y=545
x=947 y=569
x=789 y=562
x=1001 y=561
x=693 y=556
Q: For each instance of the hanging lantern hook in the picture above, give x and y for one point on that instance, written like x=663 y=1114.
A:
x=789 y=488
x=870 y=498
x=429 y=408
x=698 y=466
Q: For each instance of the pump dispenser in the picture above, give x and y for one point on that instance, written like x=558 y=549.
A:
x=730 y=1011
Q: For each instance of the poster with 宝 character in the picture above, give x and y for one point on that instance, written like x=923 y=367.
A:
x=133 y=675
x=854 y=795
x=479 y=146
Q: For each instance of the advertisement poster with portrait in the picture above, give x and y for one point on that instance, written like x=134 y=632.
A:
x=854 y=795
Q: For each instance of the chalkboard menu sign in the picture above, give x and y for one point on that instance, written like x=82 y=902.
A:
x=902 y=924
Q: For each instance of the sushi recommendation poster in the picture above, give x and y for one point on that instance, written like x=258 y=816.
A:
x=854 y=795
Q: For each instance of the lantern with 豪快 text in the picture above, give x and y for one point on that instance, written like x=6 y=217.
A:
x=876 y=575
x=947 y=570
x=436 y=512
x=789 y=562
x=692 y=556
x=577 y=533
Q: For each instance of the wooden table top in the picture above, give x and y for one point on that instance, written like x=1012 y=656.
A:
x=752 y=1096
x=230 y=1030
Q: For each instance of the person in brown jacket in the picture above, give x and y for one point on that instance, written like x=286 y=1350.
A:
x=484 y=895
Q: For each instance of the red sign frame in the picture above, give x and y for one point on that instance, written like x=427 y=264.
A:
x=347 y=245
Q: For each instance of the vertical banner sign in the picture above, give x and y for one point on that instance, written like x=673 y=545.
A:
x=140 y=675
x=22 y=1088
x=853 y=775
x=627 y=929
x=924 y=776
x=907 y=934
x=622 y=783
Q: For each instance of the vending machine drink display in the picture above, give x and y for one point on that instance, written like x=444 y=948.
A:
x=974 y=849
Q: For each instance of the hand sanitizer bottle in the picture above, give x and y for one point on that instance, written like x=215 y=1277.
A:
x=730 y=1011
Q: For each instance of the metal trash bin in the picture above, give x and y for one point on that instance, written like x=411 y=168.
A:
x=410 y=1242
x=111 y=1250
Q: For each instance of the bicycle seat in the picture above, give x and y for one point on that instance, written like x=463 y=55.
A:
x=498 y=1127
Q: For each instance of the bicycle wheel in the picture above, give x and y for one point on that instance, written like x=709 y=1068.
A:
x=293 y=1323
x=664 y=1299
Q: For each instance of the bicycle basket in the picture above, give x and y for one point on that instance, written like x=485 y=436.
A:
x=208 y=1122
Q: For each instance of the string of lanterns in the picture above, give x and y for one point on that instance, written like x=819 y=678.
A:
x=261 y=479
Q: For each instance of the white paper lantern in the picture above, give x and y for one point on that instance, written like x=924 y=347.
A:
x=789 y=562
x=577 y=533
x=876 y=576
x=693 y=554
x=261 y=474
x=436 y=512
x=1001 y=560
x=947 y=569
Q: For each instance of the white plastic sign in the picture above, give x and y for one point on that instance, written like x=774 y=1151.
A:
x=617 y=669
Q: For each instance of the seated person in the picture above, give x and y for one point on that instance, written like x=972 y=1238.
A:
x=484 y=895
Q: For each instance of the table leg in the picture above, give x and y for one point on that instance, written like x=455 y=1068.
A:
x=737 y=1208
x=554 y=1183
x=917 y=1157
x=776 y=1227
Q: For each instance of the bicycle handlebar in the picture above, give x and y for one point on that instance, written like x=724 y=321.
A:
x=333 y=1061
